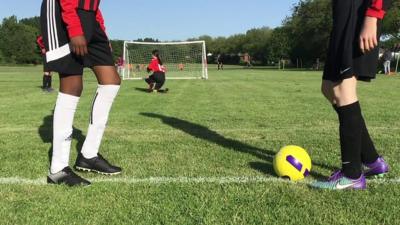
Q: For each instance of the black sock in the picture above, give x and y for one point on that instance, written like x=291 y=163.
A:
x=48 y=81
x=44 y=81
x=350 y=130
x=368 y=150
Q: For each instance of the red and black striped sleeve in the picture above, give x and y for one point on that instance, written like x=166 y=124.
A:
x=71 y=18
x=376 y=9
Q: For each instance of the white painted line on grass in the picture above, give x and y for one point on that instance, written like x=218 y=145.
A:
x=180 y=180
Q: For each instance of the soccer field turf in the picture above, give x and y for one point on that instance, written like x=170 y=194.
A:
x=200 y=154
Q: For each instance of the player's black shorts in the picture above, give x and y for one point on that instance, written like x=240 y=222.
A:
x=157 y=77
x=345 y=58
x=59 y=57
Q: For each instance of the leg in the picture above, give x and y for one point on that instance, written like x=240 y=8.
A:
x=355 y=138
x=90 y=159
x=385 y=67
x=44 y=82
x=160 y=81
x=151 y=82
x=350 y=129
x=49 y=82
x=67 y=101
x=343 y=96
x=327 y=91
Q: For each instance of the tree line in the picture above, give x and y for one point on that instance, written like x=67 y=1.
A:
x=302 y=37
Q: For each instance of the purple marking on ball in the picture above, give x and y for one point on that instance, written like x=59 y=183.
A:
x=293 y=161
x=306 y=173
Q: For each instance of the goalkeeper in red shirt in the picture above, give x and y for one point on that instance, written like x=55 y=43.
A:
x=157 y=80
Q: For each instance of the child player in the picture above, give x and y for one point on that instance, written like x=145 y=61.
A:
x=157 y=79
x=353 y=57
x=74 y=36
x=46 y=73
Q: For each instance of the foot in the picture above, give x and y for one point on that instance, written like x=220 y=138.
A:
x=67 y=177
x=377 y=169
x=151 y=87
x=339 y=182
x=50 y=90
x=97 y=164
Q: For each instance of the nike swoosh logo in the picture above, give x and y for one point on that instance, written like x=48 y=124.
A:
x=344 y=71
x=341 y=187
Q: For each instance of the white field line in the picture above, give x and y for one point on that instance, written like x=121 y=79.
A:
x=181 y=180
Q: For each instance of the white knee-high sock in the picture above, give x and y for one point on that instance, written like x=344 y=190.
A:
x=101 y=107
x=62 y=131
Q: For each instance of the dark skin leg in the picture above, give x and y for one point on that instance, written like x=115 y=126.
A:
x=71 y=85
x=107 y=75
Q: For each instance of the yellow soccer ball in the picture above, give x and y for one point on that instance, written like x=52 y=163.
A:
x=292 y=162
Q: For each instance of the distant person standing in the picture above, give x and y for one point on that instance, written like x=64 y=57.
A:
x=120 y=64
x=220 y=62
x=247 y=60
x=387 y=58
x=46 y=86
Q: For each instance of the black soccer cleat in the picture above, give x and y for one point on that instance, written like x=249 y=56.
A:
x=97 y=164
x=67 y=177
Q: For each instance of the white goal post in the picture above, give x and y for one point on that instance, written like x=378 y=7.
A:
x=183 y=60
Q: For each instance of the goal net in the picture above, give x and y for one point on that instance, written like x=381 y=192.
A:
x=183 y=60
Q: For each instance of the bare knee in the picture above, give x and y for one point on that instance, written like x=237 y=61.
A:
x=345 y=92
x=107 y=75
x=72 y=90
x=117 y=80
x=71 y=85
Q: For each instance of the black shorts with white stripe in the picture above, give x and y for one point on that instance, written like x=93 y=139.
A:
x=59 y=57
x=345 y=58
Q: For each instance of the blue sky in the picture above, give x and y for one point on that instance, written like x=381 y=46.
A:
x=174 y=19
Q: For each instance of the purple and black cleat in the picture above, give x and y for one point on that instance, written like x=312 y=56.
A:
x=339 y=182
x=377 y=169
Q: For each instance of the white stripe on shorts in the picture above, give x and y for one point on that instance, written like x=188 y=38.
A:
x=57 y=53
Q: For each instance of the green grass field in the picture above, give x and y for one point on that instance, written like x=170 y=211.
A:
x=200 y=154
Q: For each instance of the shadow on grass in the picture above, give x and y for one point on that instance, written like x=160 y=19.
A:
x=202 y=132
x=161 y=91
x=46 y=134
x=146 y=90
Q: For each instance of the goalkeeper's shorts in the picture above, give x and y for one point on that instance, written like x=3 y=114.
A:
x=345 y=58
x=59 y=57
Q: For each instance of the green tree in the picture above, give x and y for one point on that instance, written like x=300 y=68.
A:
x=309 y=30
x=256 y=44
x=391 y=23
x=18 y=42
x=279 y=46
x=33 y=22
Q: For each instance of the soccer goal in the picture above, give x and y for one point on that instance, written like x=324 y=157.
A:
x=183 y=60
